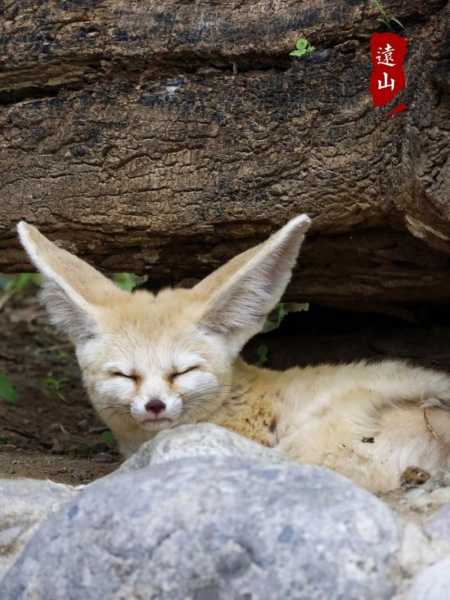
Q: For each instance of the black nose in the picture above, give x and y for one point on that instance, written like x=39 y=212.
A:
x=155 y=406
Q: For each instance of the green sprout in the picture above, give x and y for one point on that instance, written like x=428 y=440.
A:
x=55 y=385
x=128 y=281
x=275 y=318
x=386 y=17
x=108 y=438
x=302 y=48
x=12 y=285
x=15 y=284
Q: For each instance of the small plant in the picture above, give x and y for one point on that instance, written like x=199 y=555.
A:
x=275 y=318
x=385 y=16
x=128 y=281
x=7 y=390
x=108 y=438
x=18 y=283
x=62 y=356
x=273 y=321
x=302 y=48
x=55 y=385
x=12 y=285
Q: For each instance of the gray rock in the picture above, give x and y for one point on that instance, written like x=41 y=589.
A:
x=204 y=439
x=438 y=525
x=213 y=529
x=23 y=504
x=433 y=583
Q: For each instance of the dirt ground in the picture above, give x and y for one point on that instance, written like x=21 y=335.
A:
x=52 y=431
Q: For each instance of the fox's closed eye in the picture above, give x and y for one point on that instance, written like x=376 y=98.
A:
x=132 y=376
x=184 y=371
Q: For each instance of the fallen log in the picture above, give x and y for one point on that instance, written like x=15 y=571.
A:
x=163 y=139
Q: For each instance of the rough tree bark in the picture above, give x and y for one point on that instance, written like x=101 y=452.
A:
x=165 y=137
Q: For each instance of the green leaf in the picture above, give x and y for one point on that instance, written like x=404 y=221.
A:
x=394 y=20
x=302 y=43
x=126 y=281
x=21 y=282
x=108 y=438
x=7 y=390
x=274 y=319
x=385 y=17
x=53 y=383
x=62 y=356
x=14 y=284
x=303 y=48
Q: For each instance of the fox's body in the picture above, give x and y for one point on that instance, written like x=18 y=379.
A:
x=369 y=422
x=151 y=362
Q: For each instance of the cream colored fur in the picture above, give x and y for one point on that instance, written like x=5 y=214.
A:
x=181 y=347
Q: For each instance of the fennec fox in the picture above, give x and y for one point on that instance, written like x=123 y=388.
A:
x=150 y=362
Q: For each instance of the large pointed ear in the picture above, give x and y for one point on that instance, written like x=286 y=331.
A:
x=73 y=291
x=242 y=292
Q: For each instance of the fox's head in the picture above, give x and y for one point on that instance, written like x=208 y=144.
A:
x=153 y=361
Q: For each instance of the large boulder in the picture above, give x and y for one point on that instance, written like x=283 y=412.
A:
x=213 y=529
x=23 y=505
